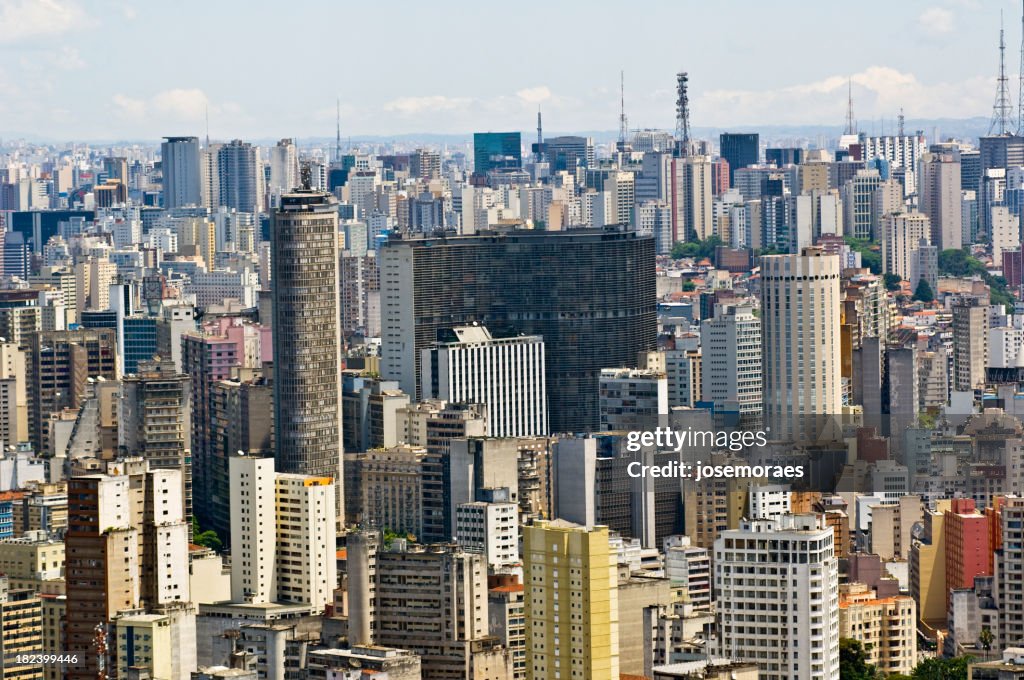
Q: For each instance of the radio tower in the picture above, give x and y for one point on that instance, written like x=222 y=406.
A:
x=1020 y=78
x=1001 y=110
x=682 y=115
x=337 y=139
x=623 y=122
x=900 y=122
x=540 y=139
x=100 y=643
x=851 y=126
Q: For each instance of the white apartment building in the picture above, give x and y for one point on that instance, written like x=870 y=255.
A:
x=777 y=583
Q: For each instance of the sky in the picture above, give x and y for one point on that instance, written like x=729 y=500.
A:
x=122 y=70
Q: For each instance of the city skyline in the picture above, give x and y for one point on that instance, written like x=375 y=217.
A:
x=934 y=60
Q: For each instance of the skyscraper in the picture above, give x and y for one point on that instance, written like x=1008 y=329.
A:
x=596 y=312
x=179 y=158
x=801 y=343
x=241 y=177
x=731 y=375
x=739 y=149
x=940 y=198
x=797 y=578
x=496 y=151
x=570 y=567
x=307 y=337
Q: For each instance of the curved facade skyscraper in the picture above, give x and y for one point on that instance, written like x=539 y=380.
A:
x=307 y=337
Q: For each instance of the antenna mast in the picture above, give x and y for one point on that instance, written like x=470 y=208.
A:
x=337 y=138
x=1020 y=78
x=851 y=126
x=682 y=115
x=1001 y=110
x=540 y=138
x=900 y=121
x=623 y=122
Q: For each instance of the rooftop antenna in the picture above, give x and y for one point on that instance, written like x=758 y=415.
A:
x=540 y=137
x=900 y=122
x=851 y=127
x=623 y=122
x=337 y=139
x=1020 y=78
x=682 y=115
x=1001 y=110
x=207 y=126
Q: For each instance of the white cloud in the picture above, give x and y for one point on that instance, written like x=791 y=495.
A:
x=936 y=21
x=128 y=108
x=878 y=91
x=414 y=106
x=22 y=20
x=534 y=95
x=170 y=106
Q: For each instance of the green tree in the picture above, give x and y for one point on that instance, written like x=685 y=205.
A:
x=696 y=250
x=853 y=661
x=207 y=539
x=924 y=292
x=985 y=639
x=957 y=262
x=870 y=254
x=689 y=286
x=892 y=282
x=942 y=669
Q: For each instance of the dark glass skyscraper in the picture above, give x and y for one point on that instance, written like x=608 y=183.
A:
x=496 y=151
x=590 y=293
x=740 y=149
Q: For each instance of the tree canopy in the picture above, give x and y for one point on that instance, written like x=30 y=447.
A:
x=924 y=292
x=697 y=250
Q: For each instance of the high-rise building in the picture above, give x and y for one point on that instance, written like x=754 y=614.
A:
x=900 y=239
x=573 y=568
x=691 y=198
x=284 y=167
x=13 y=395
x=22 y=634
x=125 y=541
x=739 y=150
x=466 y=365
x=155 y=421
x=970 y=344
x=240 y=177
x=789 y=566
x=282 y=529
x=179 y=160
x=885 y=626
x=632 y=399
x=496 y=151
x=859 y=205
x=801 y=340
x=939 y=199
x=519 y=281
x=731 y=363
x=307 y=337
x=59 y=366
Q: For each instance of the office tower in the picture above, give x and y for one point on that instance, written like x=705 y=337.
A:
x=899 y=151
x=561 y=286
x=567 y=153
x=858 y=204
x=731 y=363
x=1004 y=231
x=431 y=601
x=782 y=156
x=570 y=568
x=496 y=151
x=241 y=177
x=901 y=237
x=59 y=365
x=970 y=344
x=801 y=339
x=691 y=199
x=179 y=159
x=209 y=176
x=125 y=540
x=632 y=399
x=284 y=167
x=139 y=334
x=282 y=529
x=654 y=218
x=739 y=150
x=154 y=421
x=797 y=577
x=939 y=199
x=15 y=255
x=307 y=337
x=620 y=186
x=490 y=527
x=467 y=365
x=885 y=626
